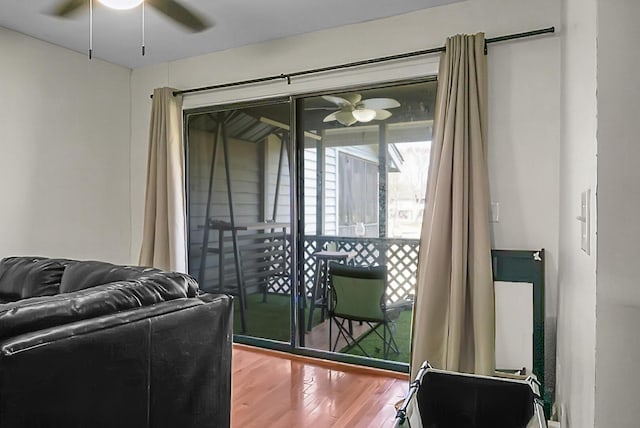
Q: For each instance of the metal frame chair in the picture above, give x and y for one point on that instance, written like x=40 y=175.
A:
x=445 y=398
x=358 y=293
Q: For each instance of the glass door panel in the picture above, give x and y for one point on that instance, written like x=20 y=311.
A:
x=239 y=212
x=364 y=167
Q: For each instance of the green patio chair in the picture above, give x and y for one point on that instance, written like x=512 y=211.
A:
x=358 y=293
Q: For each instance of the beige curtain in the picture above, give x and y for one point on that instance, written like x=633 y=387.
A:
x=454 y=325
x=164 y=242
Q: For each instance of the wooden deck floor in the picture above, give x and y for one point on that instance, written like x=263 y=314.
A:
x=273 y=389
x=318 y=337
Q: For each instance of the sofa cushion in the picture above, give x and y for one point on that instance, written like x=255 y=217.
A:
x=42 y=312
x=85 y=274
x=24 y=277
x=43 y=279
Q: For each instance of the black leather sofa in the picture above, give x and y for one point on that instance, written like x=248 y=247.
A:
x=92 y=344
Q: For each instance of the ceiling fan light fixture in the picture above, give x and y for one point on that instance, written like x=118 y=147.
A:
x=121 y=4
x=352 y=108
x=364 y=115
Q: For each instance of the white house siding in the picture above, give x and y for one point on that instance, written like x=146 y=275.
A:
x=310 y=191
x=245 y=181
x=331 y=191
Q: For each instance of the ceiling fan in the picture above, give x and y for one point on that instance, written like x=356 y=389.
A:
x=171 y=8
x=352 y=108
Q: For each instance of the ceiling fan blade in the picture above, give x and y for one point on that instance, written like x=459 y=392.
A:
x=382 y=114
x=66 y=8
x=330 y=117
x=346 y=118
x=339 y=101
x=174 y=10
x=352 y=98
x=379 y=103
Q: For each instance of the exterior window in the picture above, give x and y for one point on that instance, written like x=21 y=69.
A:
x=358 y=193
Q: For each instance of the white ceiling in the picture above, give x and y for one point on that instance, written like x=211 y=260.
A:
x=117 y=34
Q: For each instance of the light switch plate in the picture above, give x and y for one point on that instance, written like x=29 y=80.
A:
x=585 y=220
x=494 y=212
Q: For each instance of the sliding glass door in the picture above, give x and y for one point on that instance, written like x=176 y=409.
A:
x=357 y=165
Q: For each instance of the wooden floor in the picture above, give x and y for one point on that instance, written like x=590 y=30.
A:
x=273 y=389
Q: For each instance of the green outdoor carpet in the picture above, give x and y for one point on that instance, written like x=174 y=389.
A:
x=401 y=330
x=270 y=320
x=267 y=320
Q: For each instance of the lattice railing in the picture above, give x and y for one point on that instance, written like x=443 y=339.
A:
x=399 y=255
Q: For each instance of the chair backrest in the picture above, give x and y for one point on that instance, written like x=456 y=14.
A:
x=358 y=292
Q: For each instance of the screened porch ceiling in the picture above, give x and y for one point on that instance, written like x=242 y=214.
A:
x=411 y=122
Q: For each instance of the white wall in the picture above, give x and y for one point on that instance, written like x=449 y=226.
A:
x=524 y=156
x=524 y=100
x=577 y=272
x=618 y=291
x=64 y=164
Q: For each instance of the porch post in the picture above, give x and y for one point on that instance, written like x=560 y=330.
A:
x=382 y=180
x=319 y=187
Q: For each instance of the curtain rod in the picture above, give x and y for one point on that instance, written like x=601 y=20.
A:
x=358 y=63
